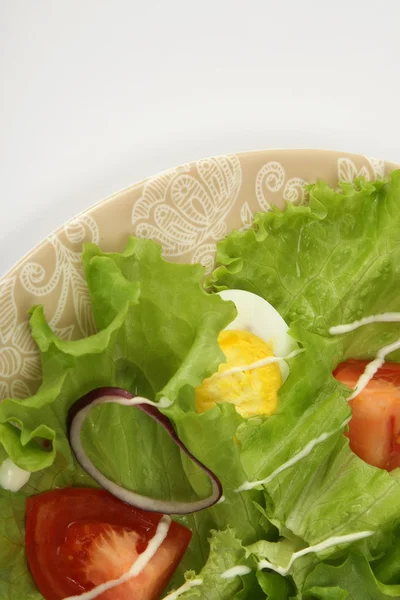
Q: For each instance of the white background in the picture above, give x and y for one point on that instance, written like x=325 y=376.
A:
x=97 y=94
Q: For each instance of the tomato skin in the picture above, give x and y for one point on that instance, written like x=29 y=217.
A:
x=374 y=429
x=67 y=530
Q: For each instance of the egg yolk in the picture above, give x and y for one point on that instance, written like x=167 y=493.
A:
x=253 y=392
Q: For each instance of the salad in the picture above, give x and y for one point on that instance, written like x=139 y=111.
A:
x=231 y=437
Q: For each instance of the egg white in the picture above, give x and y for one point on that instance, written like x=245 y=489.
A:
x=259 y=317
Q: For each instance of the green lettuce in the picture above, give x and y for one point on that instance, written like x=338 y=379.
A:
x=226 y=551
x=15 y=579
x=353 y=579
x=386 y=567
x=210 y=436
x=275 y=586
x=331 y=262
x=157 y=337
x=119 y=355
x=329 y=491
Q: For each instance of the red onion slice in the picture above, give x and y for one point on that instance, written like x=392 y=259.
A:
x=76 y=417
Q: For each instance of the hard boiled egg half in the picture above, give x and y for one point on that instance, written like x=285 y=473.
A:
x=258 y=332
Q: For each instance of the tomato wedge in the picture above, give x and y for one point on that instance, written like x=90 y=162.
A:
x=78 y=538
x=374 y=429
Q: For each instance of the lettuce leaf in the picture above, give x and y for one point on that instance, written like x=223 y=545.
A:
x=226 y=551
x=275 y=586
x=153 y=345
x=351 y=580
x=210 y=436
x=170 y=333
x=329 y=491
x=387 y=567
x=15 y=579
x=330 y=262
x=158 y=337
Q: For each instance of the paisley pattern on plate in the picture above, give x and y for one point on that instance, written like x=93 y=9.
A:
x=186 y=209
x=65 y=276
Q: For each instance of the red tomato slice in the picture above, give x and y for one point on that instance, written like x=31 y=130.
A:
x=78 y=538
x=374 y=429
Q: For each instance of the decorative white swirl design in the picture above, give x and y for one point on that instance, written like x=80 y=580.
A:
x=205 y=255
x=185 y=209
x=271 y=179
x=19 y=361
x=378 y=167
x=66 y=277
x=20 y=369
x=348 y=172
x=8 y=309
x=295 y=191
x=246 y=216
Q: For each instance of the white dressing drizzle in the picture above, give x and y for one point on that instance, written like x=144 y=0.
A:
x=12 y=478
x=163 y=403
x=184 y=588
x=236 y=572
x=138 y=566
x=329 y=543
x=372 y=368
x=379 y=360
x=382 y=318
x=249 y=485
x=221 y=500
x=269 y=360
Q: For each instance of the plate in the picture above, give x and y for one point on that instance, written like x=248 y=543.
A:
x=186 y=209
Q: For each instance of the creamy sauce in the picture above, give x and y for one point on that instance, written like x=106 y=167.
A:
x=379 y=360
x=184 y=588
x=221 y=500
x=12 y=478
x=249 y=485
x=329 y=543
x=138 y=566
x=236 y=572
x=269 y=360
x=372 y=368
x=382 y=318
x=163 y=403
x=298 y=272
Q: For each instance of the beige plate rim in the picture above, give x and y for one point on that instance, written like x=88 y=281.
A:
x=141 y=182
